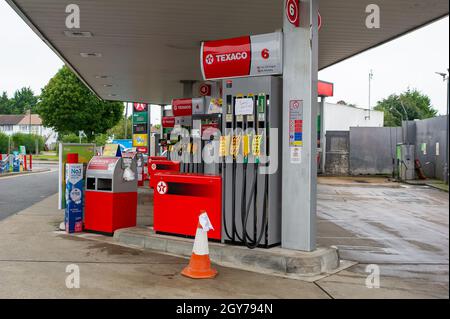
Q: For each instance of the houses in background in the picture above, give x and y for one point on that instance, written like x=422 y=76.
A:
x=27 y=123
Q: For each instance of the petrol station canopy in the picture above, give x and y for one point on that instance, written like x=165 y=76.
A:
x=146 y=47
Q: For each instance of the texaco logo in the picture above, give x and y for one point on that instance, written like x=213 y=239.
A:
x=162 y=188
x=153 y=166
x=209 y=59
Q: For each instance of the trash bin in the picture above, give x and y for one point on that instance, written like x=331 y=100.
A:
x=111 y=194
x=180 y=197
x=161 y=166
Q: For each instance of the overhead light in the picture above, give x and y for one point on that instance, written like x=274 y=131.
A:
x=107 y=85
x=91 y=55
x=103 y=76
x=78 y=34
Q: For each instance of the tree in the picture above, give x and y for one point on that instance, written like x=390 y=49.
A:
x=23 y=100
x=342 y=102
x=417 y=106
x=5 y=104
x=68 y=106
x=119 y=130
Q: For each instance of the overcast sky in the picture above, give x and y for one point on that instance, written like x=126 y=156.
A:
x=409 y=61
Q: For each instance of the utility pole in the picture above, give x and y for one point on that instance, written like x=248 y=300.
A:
x=445 y=77
x=29 y=126
x=126 y=120
x=370 y=91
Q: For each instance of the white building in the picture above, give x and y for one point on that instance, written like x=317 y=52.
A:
x=340 y=117
x=11 y=124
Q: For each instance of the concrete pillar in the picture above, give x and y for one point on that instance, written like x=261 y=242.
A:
x=188 y=88
x=323 y=141
x=300 y=68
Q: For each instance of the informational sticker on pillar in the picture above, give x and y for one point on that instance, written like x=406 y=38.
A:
x=244 y=106
x=296 y=155
x=296 y=123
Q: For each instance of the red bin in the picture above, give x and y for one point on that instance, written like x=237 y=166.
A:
x=179 y=198
x=160 y=166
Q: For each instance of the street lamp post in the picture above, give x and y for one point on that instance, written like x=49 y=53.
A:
x=445 y=77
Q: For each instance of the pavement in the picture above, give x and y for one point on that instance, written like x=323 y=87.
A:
x=402 y=233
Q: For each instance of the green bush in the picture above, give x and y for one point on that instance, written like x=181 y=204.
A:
x=3 y=143
x=72 y=138
x=27 y=140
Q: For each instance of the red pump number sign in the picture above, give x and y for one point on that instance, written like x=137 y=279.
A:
x=293 y=12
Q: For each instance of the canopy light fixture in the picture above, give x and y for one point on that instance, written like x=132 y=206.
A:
x=91 y=55
x=78 y=34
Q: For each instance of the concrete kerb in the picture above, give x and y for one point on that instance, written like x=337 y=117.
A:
x=308 y=266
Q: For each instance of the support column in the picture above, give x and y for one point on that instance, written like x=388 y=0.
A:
x=300 y=68
x=323 y=141
x=188 y=88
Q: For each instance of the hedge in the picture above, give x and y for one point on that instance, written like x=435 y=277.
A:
x=27 y=140
x=3 y=143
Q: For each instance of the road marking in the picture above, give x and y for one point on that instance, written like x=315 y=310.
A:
x=21 y=175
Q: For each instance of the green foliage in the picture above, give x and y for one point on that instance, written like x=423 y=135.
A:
x=27 y=140
x=3 y=143
x=119 y=130
x=71 y=138
x=68 y=106
x=101 y=139
x=5 y=104
x=22 y=101
x=417 y=106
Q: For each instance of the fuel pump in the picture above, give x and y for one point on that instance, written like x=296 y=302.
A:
x=206 y=132
x=251 y=196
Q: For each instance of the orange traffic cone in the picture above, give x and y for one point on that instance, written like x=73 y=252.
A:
x=200 y=266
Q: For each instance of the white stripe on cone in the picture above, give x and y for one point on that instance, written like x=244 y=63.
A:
x=201 y=236
x=201 y=243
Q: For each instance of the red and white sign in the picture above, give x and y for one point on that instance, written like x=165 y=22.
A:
x=140 y=107
x=168 y=121
x=182 y=107
x=293 y=12
x=319 y=21
x=162 y=187
x=244 y=56
x=325 y=89
x=142 y=149
x=187 y=107
x=103 y=163
x=205 y=90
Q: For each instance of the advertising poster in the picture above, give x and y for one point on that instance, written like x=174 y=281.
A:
x=85 y=153
x=140 y=140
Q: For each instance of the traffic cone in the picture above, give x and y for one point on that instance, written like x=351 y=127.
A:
x=200 y=266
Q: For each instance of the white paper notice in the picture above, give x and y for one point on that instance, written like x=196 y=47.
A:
x=244 y=106
x=296 y=155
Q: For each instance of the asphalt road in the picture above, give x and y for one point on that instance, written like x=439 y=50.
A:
x=22 y=191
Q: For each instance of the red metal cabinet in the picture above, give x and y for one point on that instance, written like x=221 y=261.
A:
x=179 y=199
x=159 y=166
x=107 y=212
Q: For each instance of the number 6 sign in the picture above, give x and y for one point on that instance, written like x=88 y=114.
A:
x=292 y=12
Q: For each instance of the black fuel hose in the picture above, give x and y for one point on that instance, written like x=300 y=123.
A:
x=254 y=244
